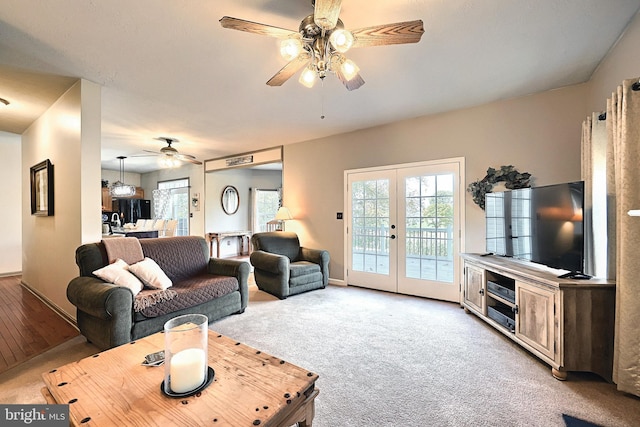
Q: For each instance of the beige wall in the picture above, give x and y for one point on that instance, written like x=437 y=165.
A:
x=68 y=134
x=539 y=134
x=11 y=212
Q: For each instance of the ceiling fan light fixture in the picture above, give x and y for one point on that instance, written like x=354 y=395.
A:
x=341 y=40
x=169 y=162
x=308 y=77
x=321 y=41
x=290 y=48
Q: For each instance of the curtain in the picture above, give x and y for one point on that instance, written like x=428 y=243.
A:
x=611 y=171
x=623 y=128
x=598 y=182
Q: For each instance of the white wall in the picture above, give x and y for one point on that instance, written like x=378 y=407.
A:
x=539 y=134
x=11 y=212
x=68 y=134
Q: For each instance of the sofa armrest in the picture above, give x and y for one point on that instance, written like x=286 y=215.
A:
x=238 y=269
x=320 y=257
x=100 y=299
x=273 y=263
x=105 y=311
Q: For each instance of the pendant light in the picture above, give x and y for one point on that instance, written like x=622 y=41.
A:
x=119 y=188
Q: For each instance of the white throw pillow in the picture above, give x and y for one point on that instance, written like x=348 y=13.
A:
x=151 y=274
x=118 y=274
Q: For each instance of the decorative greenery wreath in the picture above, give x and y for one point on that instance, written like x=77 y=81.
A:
x=507 y=174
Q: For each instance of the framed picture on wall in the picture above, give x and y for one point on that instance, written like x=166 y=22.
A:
x=42 y=189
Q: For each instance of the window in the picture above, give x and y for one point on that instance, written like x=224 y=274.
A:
x=265 y=207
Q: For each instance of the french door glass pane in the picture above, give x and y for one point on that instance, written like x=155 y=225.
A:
x=178 y=208
x=370 y=226
x=429 y=227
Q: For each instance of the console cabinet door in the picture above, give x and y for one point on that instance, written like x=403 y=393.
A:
x=474 y=284
x=535 y=320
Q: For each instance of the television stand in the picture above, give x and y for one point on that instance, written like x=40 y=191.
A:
x=565 y=322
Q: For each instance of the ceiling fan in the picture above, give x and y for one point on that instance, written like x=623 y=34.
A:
x=321 y=41
x=170 y=156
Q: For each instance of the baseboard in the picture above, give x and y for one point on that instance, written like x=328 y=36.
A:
x=51 y=305
x=337 y=282
x=15 y=273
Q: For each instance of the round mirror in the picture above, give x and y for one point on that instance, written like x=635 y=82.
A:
x=230 y=200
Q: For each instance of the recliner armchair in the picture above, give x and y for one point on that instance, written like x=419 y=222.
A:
x=283 y=268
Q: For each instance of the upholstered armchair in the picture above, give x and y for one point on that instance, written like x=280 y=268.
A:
x=283 y=268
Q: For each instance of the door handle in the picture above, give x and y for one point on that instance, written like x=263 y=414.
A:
x=393 y=236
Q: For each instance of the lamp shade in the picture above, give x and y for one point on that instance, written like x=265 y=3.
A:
x=283 y=214
x=341 y=40
x=349 y=69
x=308 y=77
x=290 y=48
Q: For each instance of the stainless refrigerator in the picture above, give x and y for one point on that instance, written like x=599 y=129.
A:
x=131 y=210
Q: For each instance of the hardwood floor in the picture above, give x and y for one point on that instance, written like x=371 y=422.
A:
x=27 y=326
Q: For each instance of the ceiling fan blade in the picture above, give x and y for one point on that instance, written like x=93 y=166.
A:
x=194 y=161
x=398 y=33
x=149 y=151
x=326 y=12
x=184 y=156
x=289 y=70
x=352 y=84
x=256 y=28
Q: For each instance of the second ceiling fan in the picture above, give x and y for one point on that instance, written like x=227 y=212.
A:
x=170 y=156
x=321 y=41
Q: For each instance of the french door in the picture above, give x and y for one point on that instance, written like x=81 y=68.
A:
x=174 y=204
x=404 y=228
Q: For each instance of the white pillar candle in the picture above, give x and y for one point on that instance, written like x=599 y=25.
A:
x=187 y=370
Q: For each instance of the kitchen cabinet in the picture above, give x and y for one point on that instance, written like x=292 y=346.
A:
x=107 y=200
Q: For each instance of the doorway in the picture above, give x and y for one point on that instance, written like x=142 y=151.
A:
x=404 y=228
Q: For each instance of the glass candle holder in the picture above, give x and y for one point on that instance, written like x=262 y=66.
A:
x=186 y=368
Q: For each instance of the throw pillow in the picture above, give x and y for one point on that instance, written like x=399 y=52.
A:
x=151 y=274
x=118 y=274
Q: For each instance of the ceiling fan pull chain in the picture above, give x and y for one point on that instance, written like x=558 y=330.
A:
x=322 y=99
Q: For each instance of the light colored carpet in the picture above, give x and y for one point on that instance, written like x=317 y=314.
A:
x=392 y=360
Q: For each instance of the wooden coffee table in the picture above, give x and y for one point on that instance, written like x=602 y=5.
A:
x=251 y=388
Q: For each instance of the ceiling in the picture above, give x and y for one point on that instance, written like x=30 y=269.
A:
x=169 y=69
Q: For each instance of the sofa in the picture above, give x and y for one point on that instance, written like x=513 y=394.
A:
x=283 y=268
x=109 y=315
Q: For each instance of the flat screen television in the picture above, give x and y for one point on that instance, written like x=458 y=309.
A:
x=540 y=224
